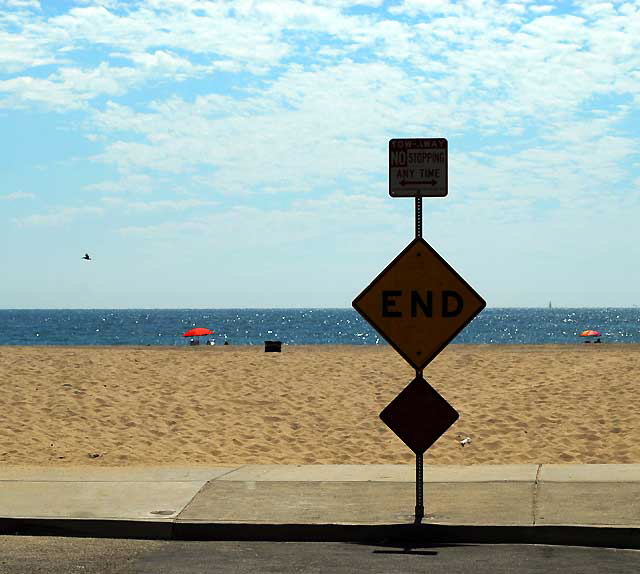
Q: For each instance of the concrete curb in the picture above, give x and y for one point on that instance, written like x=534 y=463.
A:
x=584 y=505
x=410 y=534
x=397 y=535
x=87 y=528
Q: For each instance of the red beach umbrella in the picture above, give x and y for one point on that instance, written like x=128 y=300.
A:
x=197 y=332
x=590 y=333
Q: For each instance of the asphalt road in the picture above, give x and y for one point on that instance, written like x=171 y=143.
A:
x=36 y=554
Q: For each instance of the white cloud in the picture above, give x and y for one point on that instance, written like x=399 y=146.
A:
x=21 y=4
x=360 y=218
x=175 y=26
x=72 y=88
x=161 y=63
x=415 y=7
x=498 y=49
x=350 y=3
x=158 y=205
x=151 y=34
x=567 y=174
x=148 y=38
x=18 y=52
x=129 y=183
x=540 y=8
x=282 y=138
x=17 y=195
x=57 y=216
x=598 y=9
x=312 y=127
x=69 y=88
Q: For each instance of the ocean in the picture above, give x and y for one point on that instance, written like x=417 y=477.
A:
x=298 y=326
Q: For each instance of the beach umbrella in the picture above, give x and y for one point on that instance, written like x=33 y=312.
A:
x=197 y=332
x=590 y=333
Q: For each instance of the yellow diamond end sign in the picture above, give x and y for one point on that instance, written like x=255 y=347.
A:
x=419 y=303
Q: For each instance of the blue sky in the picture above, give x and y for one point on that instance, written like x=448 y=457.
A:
x=235 y=154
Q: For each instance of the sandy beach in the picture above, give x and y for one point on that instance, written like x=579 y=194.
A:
x=114 y=406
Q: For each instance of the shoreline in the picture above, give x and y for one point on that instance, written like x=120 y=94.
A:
x=324 y=345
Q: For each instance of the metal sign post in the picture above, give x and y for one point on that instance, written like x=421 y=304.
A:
x=418 y=303
x=419 y=489
x=419 y=509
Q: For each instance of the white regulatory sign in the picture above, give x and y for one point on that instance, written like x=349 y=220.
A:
x=418 y=167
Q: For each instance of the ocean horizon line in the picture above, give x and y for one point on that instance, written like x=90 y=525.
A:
x=309 y=308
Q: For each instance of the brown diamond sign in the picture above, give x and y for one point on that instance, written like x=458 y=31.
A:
x=419 y=415
x=419 y=303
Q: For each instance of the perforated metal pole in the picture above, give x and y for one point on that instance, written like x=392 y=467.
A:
x=419 y=491
x=418 y=217
x=419 y=470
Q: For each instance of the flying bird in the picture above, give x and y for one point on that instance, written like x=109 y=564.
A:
x=86 y=256
x=465 y=440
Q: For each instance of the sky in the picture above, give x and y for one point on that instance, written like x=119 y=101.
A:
x=236 y=154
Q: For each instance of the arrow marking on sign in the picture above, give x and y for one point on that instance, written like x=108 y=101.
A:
x=405 y=182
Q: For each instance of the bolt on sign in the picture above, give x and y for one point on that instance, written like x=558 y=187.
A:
x=419 y=303
x=418 y=167
x=419 y=416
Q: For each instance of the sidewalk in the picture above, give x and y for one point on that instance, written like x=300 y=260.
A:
x=553 y=504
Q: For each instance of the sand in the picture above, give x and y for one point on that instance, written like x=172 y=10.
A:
x=115 y=406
